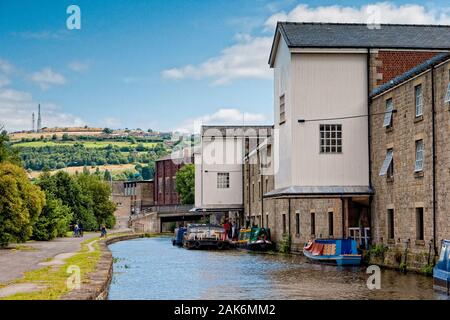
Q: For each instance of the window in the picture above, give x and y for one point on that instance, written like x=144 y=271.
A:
x=223 y=180
x=419 y=224
x=447 y=95
x=313 y=223
x=297 y=223
x=390 y=223
x=259 y=190
x=282 y=110
x=167 y=185
x=388 y=113
x=330 y=224
x=174 y=185
x=418 y=96
x=160 y=186
x=284 y=223
x=267 y=221
x=330 y=138
x=387 y=169
x=419 y=156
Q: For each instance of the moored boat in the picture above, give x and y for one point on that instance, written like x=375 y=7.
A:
x=441 y=272
x=335 y=251
x=178 y=236
x=254 y=239
x=200 y=236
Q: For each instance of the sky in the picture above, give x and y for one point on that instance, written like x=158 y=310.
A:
x=161 y=64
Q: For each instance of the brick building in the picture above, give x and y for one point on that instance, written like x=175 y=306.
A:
x=166 y=168
x=410 y=158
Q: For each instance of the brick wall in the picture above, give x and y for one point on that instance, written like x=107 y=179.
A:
x=393 y=63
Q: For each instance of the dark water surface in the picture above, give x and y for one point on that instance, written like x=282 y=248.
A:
x=152 y=268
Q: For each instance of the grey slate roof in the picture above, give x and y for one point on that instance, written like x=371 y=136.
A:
x=358 y=35
x=411 y=73
x=319 y=190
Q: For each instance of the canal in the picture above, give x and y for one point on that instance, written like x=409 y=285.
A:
x=151 y=268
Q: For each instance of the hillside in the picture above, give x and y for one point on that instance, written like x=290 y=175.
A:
x=127 y=155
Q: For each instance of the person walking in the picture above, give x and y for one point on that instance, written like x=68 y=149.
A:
x=103 y=232
x=80 y=229
x=75 y=230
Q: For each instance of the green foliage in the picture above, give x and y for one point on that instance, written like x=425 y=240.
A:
x=185 y=183
x=107 y=131
x=6 y=152
x=21 y=203
x=55 y=155
x=378 y=250
x=427 y=269
x=107 y=176
x=147 y=172
x=403 y=267
x=86 y=195
x=54 y=220
x=284 y=245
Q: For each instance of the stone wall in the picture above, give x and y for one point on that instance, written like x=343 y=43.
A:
x=409 y=190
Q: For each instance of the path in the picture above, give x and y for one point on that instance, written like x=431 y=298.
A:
x=34 y=255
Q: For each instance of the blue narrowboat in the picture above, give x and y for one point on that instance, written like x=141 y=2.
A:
x=177 y=239
x=441 y=272
x=334 y=251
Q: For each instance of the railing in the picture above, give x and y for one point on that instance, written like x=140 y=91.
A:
x=173 y=208
x=361 y=235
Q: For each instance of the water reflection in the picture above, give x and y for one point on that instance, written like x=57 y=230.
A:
x=154 y=269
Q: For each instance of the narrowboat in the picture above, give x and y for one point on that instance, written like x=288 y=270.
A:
x=335 y=251
x=254 y=239
x=178 y=236
x=441 y=272
x=205 y=236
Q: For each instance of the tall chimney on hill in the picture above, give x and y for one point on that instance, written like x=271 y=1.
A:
x=39 y=120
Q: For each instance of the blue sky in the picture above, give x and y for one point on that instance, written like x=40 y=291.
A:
x=161 y=64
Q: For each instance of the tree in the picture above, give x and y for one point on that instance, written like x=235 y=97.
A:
x=107 y=175
x=54 y=136
x=65 y=137
x=107 y=131
x=21 y=203
x=54 y=220
x=99 y=191
x=185 y=183
x=67 y=188
x=6 y=152
x=147 y=173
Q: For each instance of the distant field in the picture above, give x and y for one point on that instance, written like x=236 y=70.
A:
x=87 y=144
x=72 y=170
x=19 y=136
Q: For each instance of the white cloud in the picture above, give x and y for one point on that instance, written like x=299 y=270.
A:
x=110 y=122
x=47 y=77
x=245 y=59
x=223 y=116
x=376 y=13
x=17 y=106
x=79 y=66
x=5 y=66
x=4 y=81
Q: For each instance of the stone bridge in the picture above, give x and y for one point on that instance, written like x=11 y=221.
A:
x=153 y=219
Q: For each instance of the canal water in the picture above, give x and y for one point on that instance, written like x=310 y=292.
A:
x=151 y=268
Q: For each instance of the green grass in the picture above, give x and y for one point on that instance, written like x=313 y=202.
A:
x=87 y=144
x=55 y=279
